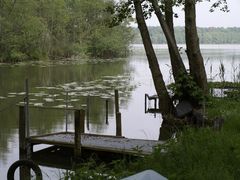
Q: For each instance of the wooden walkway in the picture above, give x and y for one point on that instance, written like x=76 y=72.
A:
x=69 y=148
x=99 y=143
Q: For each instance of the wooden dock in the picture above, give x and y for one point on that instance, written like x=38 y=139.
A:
x=70 y=147
x=98 y=143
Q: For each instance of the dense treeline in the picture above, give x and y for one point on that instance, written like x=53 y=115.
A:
x=39 y=29
x=209 y=35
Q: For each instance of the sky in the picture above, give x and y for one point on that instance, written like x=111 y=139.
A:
x=207 y=19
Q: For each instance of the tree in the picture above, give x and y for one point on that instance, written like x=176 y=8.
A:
x=195 y=58
x=22 y=33
x=41 y=29
x=165 y=105
x=178 y=67
x=191 y=86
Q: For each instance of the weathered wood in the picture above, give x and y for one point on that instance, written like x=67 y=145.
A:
x=155 y=109
x=23 y=144
x=117 y=114
x=79 y=117
x=82 y=121
x=116 y=101
x=118 y=125
x=107 y=111
x=66 y=112
x=88 y=111
x=145 y=103
x=77 y=137
x=27 y=107
x=103 y=143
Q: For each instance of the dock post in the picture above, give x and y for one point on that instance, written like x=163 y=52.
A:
x=24 y=148
x=155 y=103
x=118 y=115
x=66 y=111
x=116 y=101
x=79 y=116
x=118 y=124
x=107 y=111
x=88 y=107
x=145 y=103
x=27 y=107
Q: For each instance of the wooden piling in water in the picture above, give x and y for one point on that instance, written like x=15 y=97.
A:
x=118 y=115
x=27 y=107
x=145 y=103
x=88 y=111
x=116 y=102
x=79 y=116
x=66 y=112
x=107 y=111
x=24 y=148
x=118 y=124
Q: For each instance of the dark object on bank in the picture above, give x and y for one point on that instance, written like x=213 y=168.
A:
x=183 y=108
x=27 y=163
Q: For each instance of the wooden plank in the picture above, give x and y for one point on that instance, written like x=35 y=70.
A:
x=101 y=143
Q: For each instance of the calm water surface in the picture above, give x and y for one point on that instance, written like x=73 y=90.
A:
x=49 y=82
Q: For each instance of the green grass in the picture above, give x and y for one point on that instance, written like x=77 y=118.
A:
x=196 y=153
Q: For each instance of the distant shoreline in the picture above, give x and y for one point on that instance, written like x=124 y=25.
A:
x=202 y=46
x=210 y=35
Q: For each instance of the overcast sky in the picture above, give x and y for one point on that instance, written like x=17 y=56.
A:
x=207 y=19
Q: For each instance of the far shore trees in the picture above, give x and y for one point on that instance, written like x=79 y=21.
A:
x=59 y=29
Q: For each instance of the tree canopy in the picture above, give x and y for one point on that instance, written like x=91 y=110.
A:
x=195 y=80
x=39 y=29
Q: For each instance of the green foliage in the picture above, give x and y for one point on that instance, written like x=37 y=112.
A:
x=225 y=84
x=198 y=154
x=186 y=89
x=104 y=42
x=233 y=94
x=194 y=154
x=38 y=29
x=103 y=171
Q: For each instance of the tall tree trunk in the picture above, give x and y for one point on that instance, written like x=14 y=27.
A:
x=195 y=58
x=165 y=105
x=173 y=56
x=176 y=61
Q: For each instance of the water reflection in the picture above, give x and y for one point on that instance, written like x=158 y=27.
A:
x=47 y=88
x=49 y=82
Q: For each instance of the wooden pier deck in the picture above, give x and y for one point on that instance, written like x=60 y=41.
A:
x=99 y=143
x=68 y=148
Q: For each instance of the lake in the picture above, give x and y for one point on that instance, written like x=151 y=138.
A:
x=50 y=82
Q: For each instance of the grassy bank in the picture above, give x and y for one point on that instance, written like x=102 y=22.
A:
x=196 y=153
